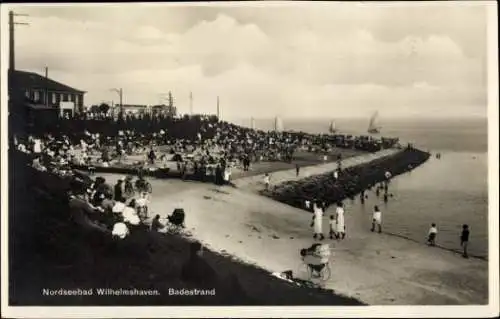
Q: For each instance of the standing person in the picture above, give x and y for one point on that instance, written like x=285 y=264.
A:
x=267 y=180
x=431 y=240
x=297 y=170
x=318 y=221
x=377 y=219
x=152 y=156
x=340 y=221
x=227 y=176
x=119 y=191
x=464 y=240
x=333 y=224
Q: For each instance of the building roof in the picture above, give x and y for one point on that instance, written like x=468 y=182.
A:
x=32 y=80
x=132 y=106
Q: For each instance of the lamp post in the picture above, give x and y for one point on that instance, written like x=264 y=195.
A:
x=120 y=94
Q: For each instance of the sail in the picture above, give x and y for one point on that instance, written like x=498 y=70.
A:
x=372 y=127
x=278 y=124
x=333 y=127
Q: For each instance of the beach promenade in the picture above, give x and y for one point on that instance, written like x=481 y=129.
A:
x=377 y=269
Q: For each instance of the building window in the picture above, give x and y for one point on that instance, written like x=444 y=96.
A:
x=27 y=94
x=36 y=96
x=54 y=98
x=77 y=100
x=61 y=98
x=65 y=97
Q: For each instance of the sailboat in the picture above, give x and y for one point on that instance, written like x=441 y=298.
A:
x=372 y=127
x=278 y=124
x=333 y=127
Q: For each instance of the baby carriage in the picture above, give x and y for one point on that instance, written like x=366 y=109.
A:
x=176 y=221
x=315 y=262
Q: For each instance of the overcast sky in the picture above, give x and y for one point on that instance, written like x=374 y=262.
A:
x=320 y=60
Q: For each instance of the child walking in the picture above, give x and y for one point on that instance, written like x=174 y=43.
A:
x=431 y=240
x=333 y=224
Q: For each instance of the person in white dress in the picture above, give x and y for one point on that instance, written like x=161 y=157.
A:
x=377 y=219
x=37 y=147
x=227 y=175
x=339 y=212
x=267 y=180
x=318 y=221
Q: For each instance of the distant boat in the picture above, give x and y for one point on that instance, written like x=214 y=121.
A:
x=333 y=127
x=372 y=127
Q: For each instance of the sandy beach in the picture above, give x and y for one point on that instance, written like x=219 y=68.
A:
x=375 y=268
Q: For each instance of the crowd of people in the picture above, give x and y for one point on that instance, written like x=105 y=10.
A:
x=199 y=146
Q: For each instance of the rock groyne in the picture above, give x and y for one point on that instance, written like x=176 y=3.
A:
x=349 y=182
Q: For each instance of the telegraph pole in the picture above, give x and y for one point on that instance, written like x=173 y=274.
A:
x=218 y=109
x=46 y=90
x=12 y=23
x=120 y=94
x=191 y=103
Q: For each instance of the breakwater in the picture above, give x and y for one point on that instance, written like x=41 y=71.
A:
x=350 y=182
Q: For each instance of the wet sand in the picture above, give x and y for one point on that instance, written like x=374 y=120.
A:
x=375 y=268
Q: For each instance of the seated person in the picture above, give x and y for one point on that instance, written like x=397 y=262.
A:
x=120 y=230
x=316 y=257
x=141 y=204
x=156 y=225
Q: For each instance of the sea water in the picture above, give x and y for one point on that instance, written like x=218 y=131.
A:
x=450 y=191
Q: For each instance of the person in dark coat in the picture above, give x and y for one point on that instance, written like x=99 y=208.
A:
x=119 y=191
x=218 y=175
x=156 y=225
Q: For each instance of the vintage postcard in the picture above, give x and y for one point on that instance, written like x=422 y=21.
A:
x=249 y=159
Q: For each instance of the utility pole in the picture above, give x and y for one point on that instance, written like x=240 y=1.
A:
x=191 y=103
x=218 y=109
x=46 y=93
x=12 y=23
x=120 y=94
x=170 y=100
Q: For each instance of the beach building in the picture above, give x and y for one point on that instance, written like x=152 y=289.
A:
x=167 y=110
x=41 y=92
x=132 y=109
